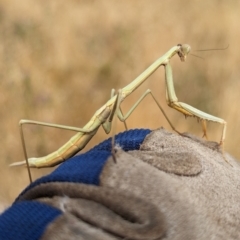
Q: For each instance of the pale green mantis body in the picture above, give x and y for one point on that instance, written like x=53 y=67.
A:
x=104 y=116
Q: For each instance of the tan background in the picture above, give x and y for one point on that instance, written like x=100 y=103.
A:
x=60 y=59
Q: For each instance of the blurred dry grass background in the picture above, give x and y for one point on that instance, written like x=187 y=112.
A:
x=60 y=59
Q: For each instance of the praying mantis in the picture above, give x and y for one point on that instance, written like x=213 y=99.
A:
x=104 y=115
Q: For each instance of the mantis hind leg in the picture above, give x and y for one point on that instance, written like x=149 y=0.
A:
x=24 y=122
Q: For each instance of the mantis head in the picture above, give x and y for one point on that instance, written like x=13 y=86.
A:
x=184 y=49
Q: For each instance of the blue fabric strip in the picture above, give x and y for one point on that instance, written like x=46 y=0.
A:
x=26 y=220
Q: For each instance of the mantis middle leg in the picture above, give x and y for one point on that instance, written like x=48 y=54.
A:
x=123 y=118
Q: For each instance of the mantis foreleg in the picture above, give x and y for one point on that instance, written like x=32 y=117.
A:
x=186 y=109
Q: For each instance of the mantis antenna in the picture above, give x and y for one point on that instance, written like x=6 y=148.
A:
x=212 y=49
x=206 y=50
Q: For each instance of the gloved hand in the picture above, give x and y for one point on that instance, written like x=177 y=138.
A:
x=170 y=187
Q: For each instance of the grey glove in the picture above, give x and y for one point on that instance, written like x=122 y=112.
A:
x=174 y=187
